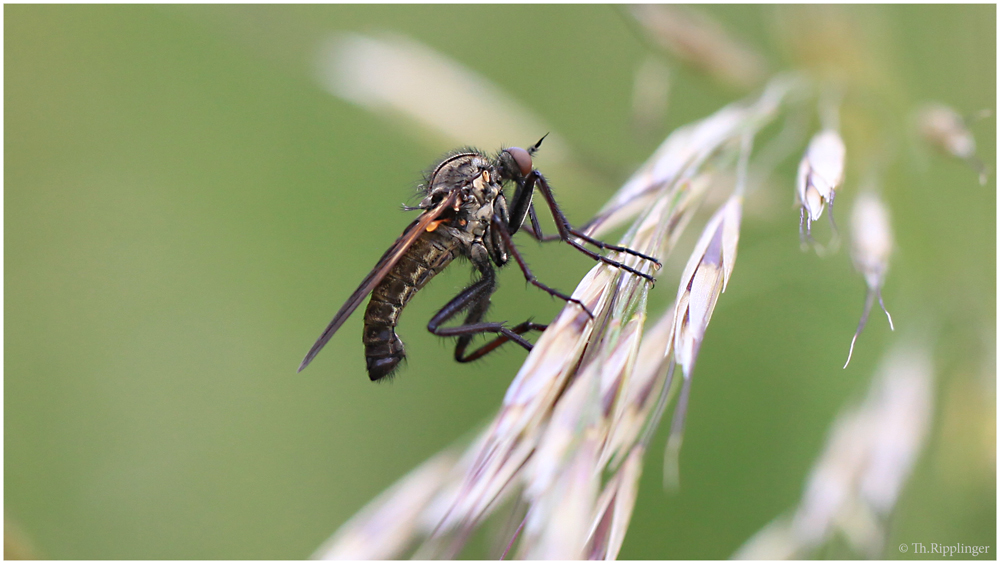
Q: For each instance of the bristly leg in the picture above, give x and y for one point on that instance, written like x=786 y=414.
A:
x=489 y=347
x=567 y=232
x=478 y=302
x=535 y=229
x=500 y=228
x=475 y=298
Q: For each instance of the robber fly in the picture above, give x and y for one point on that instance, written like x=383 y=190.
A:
x=464 y=214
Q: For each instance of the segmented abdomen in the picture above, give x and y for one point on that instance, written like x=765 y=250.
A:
x=428 y=255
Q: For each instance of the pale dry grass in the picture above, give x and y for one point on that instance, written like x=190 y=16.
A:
x=575 y=422
x=566 y=447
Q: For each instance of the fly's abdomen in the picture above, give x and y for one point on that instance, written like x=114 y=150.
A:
x=428 y=255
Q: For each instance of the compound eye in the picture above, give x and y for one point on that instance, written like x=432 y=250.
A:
x=522 y=158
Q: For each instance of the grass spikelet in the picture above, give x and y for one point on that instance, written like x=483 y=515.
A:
x=820 y=173
x=682 y=158
x=704 y=279
x=558 y=521
x=947 y=131
x=614 y=508
x=871 y=237
x=632 y=421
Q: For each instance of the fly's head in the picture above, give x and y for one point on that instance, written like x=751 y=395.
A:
x=514 y=164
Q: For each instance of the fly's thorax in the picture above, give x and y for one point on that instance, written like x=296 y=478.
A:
x=485 y=186
x=454 y=172
x=471 y=173
x=479 y=183
x=471 y=220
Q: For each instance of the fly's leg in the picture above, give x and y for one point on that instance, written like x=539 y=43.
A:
x=476 y=297
x=508 y=241
x=567 y=232
x=535 y=229
x=475 y=315
x=489 y=347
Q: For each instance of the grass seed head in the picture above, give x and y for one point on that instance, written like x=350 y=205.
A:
x=820 y=173
x=871 y=238
x=947 y=131
x=614 y=508
x=704 y=279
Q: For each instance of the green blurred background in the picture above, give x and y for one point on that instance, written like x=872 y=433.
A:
x=186 y=207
